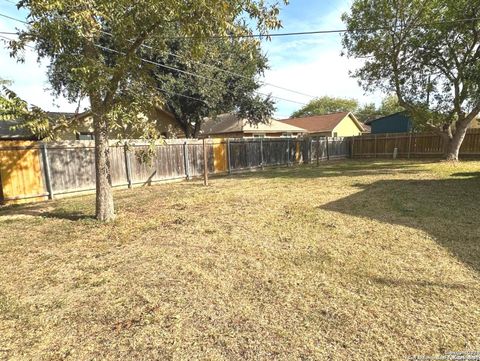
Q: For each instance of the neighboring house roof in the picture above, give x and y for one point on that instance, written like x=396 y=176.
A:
x=367 y=128
x=57 y=115
x=6 y=133
x=368 y=122
x=230 y=123
x=321 y=123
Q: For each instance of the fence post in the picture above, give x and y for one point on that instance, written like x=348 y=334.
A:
x=318 y=150
x=288 y=152
x=361 y=146
x=261 y=153
x=409 y=144
x=186 y=160
x=311 y=150
x=229 y=148
x=46 y=166
x=353 y=147
x=328 y=152
x=128 y=168
x=375 y=147
x=205 y=164
x=386 y=144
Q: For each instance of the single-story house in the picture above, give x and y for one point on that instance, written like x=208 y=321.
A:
x=343 y=124
x=394 y=123
x=7 y=133
x=82 y=127
x=231 y=126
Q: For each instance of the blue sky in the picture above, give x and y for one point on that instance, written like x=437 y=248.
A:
x=309 y=64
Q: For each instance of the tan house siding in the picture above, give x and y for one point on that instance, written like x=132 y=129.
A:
x=165 y=121
x=347 y=127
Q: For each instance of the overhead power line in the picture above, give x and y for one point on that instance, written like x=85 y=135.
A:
x=253 y=36
x=179 y=71
x=319 y=32
x=299 y=33
x=12 y=18
x=206 y=65
x=192 y=74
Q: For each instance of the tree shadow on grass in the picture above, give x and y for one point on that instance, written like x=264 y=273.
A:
x=45 y=210
x=447 y=209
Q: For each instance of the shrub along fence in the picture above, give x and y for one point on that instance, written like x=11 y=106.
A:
x=35 y=171
x=411 y=145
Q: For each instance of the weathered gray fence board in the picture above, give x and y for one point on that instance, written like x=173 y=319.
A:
x=70 y=165
x=71 y=168
x=246 y=154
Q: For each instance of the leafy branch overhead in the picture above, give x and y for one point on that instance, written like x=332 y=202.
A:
x=224 y=79
x=427 y=53
x=95 y=50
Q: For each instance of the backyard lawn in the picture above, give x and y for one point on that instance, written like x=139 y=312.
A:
x=346 y=261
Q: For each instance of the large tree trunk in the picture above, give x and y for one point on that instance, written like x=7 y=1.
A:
x=104 y=197
x=196 y=129
x=455 y=142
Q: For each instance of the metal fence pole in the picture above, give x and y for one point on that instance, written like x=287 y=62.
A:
x=128 y=168
x=261 y=153
x=328 y=152
x=46 y=167
x=186 y=160
x=318 y=150
x=288 y=152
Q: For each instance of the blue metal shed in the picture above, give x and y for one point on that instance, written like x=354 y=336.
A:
x=394 y=123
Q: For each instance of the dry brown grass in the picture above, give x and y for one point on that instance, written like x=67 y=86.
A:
x=347 y=261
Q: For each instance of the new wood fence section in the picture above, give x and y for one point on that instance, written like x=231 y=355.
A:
x=33 y=171
x=411 y=145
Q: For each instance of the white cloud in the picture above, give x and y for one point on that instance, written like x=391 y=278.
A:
x=325 y=73
x=313 y=65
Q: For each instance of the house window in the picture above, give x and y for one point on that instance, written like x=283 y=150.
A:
x=259 y=135
x=85 y=136
x=286 y=135
x=335 y=134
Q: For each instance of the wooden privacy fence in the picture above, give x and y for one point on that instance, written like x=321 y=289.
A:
x=33 y=171
x=411 y=145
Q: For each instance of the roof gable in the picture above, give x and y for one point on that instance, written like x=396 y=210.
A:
x=355 y=121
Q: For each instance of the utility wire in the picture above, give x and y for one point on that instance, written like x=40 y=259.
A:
x=12 y=18
x=222 y=70
x=177 y=70
x=313 y=32
x=333 y=31
x=193 y=74
x=261 y=35
x=190 y=73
